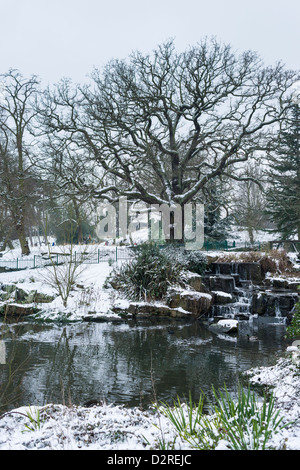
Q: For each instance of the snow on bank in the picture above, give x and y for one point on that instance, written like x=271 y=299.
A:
x=67 y=428
x=283 y=380
x=88 y=296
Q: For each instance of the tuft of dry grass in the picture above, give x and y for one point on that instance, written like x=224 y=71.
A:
x=274 y=261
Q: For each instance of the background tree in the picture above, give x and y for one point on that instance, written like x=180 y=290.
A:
x=283 y=194
x=217 y=220
x=16 y=170
x=248 y=200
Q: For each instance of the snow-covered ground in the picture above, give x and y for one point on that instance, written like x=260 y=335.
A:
x=283 y=379
x=88 y=295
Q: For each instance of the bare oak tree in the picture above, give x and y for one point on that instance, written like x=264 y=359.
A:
x=160 y=128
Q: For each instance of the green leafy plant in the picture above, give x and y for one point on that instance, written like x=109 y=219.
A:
x=148 y=275
x=293 y=330
x=189 y=421
x=245 y=422
x=34 y=417
x=190 y=260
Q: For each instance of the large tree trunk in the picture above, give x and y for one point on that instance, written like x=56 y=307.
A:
x=175 y=232
x=20 y=228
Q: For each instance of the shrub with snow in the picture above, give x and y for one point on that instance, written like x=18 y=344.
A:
x=148 y=275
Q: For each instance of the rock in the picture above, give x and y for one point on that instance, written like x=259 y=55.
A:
x=20 y=294
x=220 y=297
x=149 y=309
x=228 y=323
x=222 y=283
x=96 y=318
x=197 y=303
x=293 y=286
x=9 y=289
x=279 y=283
x=221 y=268
x=195 y=282
x=17 y=310
x=245 y=271
x=250 y=272
x=227 y=326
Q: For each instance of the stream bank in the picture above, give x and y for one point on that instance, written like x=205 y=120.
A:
x=237 y=290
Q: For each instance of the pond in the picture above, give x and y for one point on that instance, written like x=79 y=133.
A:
x=130 y=363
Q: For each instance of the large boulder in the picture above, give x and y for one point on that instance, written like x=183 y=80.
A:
x=223 y=283
x=227 y=326
x=38 y=297
x=148 y=309
x=246 y=271
x=197 y=303
x=17 y=310
x=274 y=304
x=194 y=281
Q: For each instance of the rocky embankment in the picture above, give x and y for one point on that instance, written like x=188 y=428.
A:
x=226 y=290
x=17 y=302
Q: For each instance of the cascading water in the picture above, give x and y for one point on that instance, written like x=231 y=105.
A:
x=244 y=284
x=278 y=314
x=227 y=277
x=240 y=307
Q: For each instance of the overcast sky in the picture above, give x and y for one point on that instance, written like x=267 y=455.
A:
x=67 y=38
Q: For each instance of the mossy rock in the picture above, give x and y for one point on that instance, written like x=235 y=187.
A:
x=17 y=310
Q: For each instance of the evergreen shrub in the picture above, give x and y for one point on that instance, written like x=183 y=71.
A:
x=149 y=275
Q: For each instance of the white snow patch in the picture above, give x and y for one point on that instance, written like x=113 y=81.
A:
x=228 y=323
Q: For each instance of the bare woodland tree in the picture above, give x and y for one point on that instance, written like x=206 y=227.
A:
x=248 y=200
x=160 y=128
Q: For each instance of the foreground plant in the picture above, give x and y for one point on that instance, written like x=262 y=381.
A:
x=247 y=423
x=191 y=424
x=34 y=417
x=244 y=423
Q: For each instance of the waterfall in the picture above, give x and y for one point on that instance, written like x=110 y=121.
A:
x=240 y=307
x=277 y=309
x=278 y=315
x=249 y=295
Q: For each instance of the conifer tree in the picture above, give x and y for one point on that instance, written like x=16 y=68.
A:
x=283 y=195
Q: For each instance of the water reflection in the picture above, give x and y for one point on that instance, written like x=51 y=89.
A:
x=126 y=363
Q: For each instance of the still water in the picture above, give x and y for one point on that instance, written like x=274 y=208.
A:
x=127 y=363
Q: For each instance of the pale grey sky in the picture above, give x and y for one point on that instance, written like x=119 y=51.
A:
x=67 y=38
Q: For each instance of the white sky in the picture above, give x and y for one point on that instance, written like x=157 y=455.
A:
x=67 y=38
